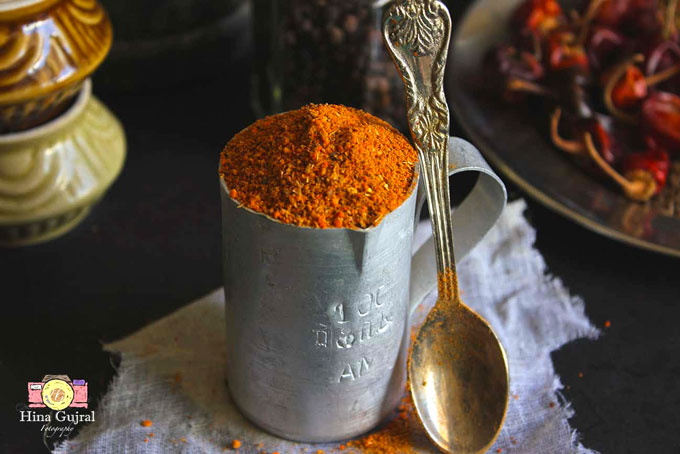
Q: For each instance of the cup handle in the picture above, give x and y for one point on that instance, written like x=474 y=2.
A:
x=472 y=219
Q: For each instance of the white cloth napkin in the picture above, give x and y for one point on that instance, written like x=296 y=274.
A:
x=172 y=371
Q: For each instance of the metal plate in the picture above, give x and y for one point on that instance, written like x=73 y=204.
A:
x=515 y=146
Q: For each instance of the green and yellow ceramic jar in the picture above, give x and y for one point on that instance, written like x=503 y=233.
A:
x=52 y=174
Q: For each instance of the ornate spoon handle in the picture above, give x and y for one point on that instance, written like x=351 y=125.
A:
x=417 y=34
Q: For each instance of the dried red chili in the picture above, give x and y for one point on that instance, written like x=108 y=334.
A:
x=613 y=12
x=602 y=140
x=631 y=15
x=638 y=185
x=661 y=120
x=653 y=161
x=625 y=86
x=631 y=89
x=539 y=16
x=514 y=72
x=565 y=52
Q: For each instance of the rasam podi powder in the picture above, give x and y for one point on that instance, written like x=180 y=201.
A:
x=320 y=166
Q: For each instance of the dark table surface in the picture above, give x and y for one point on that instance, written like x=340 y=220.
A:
x=153 y=245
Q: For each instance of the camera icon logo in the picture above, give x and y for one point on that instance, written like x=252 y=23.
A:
x=57 y=392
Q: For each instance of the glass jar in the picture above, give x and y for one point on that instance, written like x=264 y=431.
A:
x=324 y=51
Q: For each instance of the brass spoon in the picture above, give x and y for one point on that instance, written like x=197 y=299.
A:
x=457 y=367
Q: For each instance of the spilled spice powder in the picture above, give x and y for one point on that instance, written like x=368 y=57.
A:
x=320 y=166
x=395 y=437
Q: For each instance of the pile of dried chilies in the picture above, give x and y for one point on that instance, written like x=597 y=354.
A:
x=610 y=78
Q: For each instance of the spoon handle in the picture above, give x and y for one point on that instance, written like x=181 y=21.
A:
x=417 y=34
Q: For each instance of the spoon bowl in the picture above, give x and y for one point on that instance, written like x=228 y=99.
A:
x=458 y=377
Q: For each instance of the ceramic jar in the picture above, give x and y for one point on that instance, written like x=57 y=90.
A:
x=47 y=49
x=52 y=174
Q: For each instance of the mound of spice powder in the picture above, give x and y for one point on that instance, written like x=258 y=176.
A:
x=320 y=166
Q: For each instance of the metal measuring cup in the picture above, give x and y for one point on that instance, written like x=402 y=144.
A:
x=318 y=319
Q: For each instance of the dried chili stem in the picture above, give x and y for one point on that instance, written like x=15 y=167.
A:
x=574 y=15
x=669 y=25
x=641 y=189
x=538 y=49
x=569 y=146
x=517 y=84
x=662 y=76
x=588 y=17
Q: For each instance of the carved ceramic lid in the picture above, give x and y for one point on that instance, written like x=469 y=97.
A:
x=47 y=46
x=21 y=7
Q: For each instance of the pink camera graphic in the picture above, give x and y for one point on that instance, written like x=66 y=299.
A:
x=57 y=392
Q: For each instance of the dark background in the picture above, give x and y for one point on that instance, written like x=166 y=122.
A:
x=153 y=245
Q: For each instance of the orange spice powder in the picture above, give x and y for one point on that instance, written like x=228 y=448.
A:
x=447 y=283
x=395 y=437
x=320 y=166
